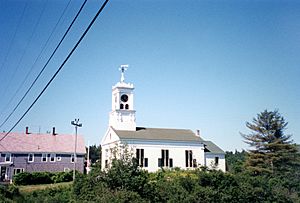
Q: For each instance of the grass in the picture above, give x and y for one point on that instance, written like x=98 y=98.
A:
x=30 y=188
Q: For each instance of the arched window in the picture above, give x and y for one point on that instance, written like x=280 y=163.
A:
x=126 y=106
x=121 y=106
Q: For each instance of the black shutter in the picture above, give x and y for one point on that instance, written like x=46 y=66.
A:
x=186 y=158
x=162 y=158
x=146 y=162
x=167 y=157
x=191 y=158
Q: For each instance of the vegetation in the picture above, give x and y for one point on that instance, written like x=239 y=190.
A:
x=42 y=178
x=95 y=154
x=273 y=150
x=125 y=181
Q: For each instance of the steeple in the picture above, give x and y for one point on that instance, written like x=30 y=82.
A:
x=122 y=116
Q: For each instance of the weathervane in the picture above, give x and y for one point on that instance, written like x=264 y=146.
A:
x=122 y=69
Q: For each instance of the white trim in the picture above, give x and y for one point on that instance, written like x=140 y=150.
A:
x=32 y=157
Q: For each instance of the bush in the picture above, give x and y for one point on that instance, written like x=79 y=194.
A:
x=61 y=194
x=36 y=178
x=62 y=177
x=23 y=178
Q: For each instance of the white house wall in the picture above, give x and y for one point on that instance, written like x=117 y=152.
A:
x=210 y=161
x=108 y=142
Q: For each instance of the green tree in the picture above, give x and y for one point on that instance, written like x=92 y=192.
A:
x=272 y=150
x=95 y=153
x=235 y=161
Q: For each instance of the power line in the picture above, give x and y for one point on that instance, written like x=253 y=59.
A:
x=42 y=70
x=38 y=57
x=61 y=66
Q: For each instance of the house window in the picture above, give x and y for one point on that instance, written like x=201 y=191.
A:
x=216 y=161
x=72 y=158
x=8 y=157
x=30 y=157
x=44 y=157
x=52 y=157
x=188 y=158
x=142 y=161
x=18 y=170
x=58 y=158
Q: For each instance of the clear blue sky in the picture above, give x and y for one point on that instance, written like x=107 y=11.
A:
x=208 y=65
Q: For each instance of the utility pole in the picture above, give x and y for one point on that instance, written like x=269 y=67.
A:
x=76 y=124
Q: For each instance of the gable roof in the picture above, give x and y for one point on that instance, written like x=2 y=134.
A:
x=159 y=134
x=212 y=148
x=42 y=143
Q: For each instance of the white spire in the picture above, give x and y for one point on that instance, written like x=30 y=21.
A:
x=122 y=69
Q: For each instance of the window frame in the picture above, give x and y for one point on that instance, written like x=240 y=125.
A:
x=58 y=158
x=72 y=158
x=15 y=170
x=7 y=155
x=44 y=155
x=216 y=161
x=29 y=155
x=52 y=156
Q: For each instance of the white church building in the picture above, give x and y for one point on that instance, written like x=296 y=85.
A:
x=154 y=148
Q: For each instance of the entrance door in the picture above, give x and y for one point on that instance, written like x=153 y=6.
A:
x=3 y=173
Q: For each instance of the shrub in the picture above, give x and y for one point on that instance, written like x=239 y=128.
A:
x=62 y=177
x=36 y=178
x=23 y=178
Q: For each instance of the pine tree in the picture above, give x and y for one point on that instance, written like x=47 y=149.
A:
x=272 y=151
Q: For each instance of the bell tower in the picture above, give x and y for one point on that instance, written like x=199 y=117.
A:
x=122 y=115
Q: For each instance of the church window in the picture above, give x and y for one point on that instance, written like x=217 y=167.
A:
x=165 y=161
x=188 y=158
x=141 y=160
x=216 y=161
x=121 y=106
x=194 y=163
x=126 y=106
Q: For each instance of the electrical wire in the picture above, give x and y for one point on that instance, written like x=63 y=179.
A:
x=60 y=68
x=38 y=57
x=44 y=67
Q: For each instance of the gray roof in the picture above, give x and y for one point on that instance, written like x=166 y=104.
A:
x=212 y=148
x=159 y=134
